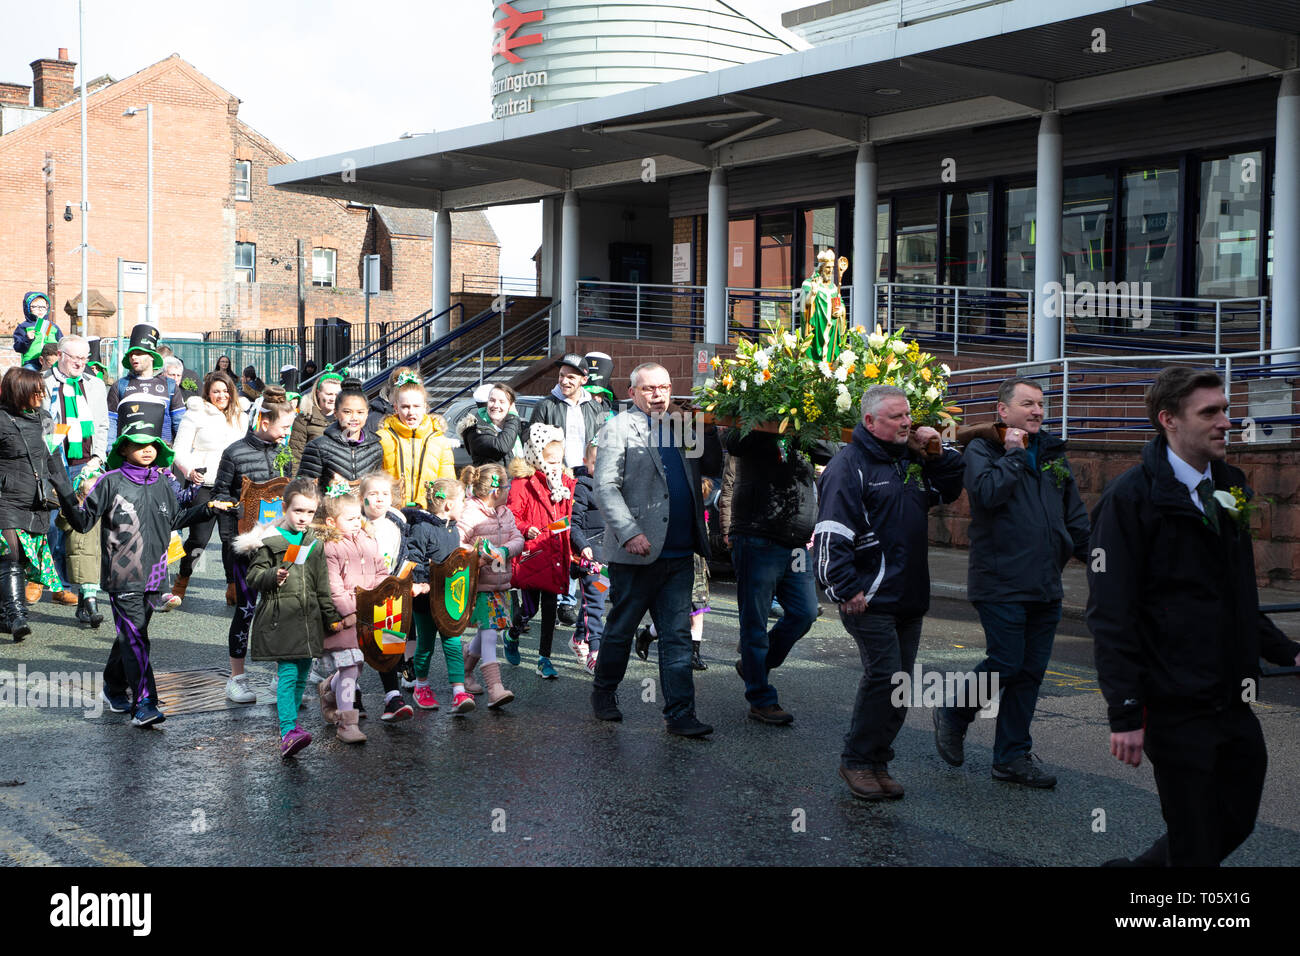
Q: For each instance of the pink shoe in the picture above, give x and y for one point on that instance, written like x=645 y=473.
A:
x=294 y=741
x=424 y=698
x=462 y=703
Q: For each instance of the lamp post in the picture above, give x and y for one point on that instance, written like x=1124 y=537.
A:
x=148 y=261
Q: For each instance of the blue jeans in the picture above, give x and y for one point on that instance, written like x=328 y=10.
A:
x=763 y=569
x=664 y=589
x=1018 y=636
x=887 y=645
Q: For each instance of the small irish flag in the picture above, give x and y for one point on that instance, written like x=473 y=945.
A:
x=297 y=554
x=560 y=524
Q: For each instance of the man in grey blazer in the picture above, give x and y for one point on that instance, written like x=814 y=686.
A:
x=648 y=488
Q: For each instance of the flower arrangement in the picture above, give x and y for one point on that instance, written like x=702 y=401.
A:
x=1239 y=506
x=772 y=383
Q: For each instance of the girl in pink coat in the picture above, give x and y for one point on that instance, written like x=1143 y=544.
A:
x=488 y=526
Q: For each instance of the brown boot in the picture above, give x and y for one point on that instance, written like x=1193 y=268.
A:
x=66 y=598
x=497 y=694
x=863 y=784
x=329 y=706
x=34 y=592
x=348 y=731
x=179 y=586
x=471 y=685
x=892 y=788
x=230 y=594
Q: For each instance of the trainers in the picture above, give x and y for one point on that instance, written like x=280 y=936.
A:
x=1025 y=770
x=146 y=714
x=546 y=669
x=424 y=698
x=948 y=740
x=688 y=726
x=863 y=784
x=591 y=665
x=396 y=709
x=580 y=649
x=604 y=705
x=643 y=640
x=511 y=644
x=166 y=602
x=892 y=789
x=238 y=691
x=696 y=663
x=567 y=614
x=117 y=703
x=294 y=741
x=462 y=703
x=771 y=715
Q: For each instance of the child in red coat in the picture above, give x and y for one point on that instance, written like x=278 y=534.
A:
x=541 y=499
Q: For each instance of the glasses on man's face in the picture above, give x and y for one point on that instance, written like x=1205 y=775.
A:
x=656 y=389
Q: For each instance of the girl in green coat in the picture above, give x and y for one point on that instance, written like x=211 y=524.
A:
x=287 y=570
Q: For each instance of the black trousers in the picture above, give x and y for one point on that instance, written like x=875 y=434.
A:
x=129 y=666
x=1209 y=768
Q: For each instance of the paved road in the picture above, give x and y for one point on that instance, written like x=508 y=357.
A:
x=543 y=782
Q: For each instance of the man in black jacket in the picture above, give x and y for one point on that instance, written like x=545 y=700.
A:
x=1026 y=520
x=569 y=408
x=871 y=555
x=1176 y=626
x=773 y=512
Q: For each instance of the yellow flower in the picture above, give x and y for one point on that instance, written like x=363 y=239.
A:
x=715 y=361
x=727 y=381
x=925 y=374
x=810 y=409
x=871 y=371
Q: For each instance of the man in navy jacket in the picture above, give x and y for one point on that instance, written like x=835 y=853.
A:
x=870 y=552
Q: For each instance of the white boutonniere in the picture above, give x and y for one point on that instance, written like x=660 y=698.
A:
x=1228 y=502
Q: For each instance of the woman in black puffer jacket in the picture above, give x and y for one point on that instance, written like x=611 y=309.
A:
x=491 y=435
x=28 y=471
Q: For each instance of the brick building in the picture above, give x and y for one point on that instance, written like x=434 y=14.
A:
x=225 y=244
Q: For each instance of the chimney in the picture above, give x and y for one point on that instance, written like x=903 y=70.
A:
x=15 y=93
x=52 y=81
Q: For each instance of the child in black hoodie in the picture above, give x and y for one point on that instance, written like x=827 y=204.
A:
x=431 y=540
x=587 y=535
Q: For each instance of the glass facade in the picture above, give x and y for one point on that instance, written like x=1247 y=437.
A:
x=1228 y=225
x=916 y=240
x=1020 y=232
x=1150 y=211
x=966 y=238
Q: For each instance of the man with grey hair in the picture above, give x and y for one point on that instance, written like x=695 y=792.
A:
x=647 y=486
x=870 y=554
x=1026 y=521
x=80 y=402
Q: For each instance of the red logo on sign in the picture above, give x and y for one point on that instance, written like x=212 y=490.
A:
x=506 y=41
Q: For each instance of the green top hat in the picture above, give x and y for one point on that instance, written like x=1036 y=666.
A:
x=140 y=422
x=144 y=338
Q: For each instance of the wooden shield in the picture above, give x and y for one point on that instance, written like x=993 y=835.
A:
x=260 y=503
x=385 y=620
x=453 y=587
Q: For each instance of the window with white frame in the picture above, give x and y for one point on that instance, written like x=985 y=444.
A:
x=245 y=262
x=322 y=267
x=243 y=179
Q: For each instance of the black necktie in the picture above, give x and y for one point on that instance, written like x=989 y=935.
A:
x=1205 y=491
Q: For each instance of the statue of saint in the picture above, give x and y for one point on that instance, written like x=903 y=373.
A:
x=823 y=309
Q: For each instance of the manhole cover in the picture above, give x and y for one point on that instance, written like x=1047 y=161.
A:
x=200 y=691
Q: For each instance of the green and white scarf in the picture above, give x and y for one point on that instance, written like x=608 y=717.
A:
x=76 y=414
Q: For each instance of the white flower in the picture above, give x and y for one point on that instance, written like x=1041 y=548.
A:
x=843 y=401
x=875 y=340
x=761 y=358
x=710 y=383
x=931 y=394
x=848 y=357
x=842 y=373
x=842 y=389
x=825 y=368
x=743 y=385
x=947 y=372
x=758 y=378
x=789 y=340
x=1226 y=501
x=900 y=347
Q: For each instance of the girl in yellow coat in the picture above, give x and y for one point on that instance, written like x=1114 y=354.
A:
x=415 y=451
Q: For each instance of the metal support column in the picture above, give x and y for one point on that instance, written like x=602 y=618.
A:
x=1047 y=248
x=865 y=181
x=715 y=293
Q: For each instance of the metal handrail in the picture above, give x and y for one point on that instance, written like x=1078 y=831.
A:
x=502 y=362
x=418 y=357
x=424 y=318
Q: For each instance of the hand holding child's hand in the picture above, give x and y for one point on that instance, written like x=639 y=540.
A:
x=418 y=589
x=532 y=533
x=281 y=575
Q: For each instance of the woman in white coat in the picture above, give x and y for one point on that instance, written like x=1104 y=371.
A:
x=212 y=421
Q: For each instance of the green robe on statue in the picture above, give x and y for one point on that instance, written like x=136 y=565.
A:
x=823 y=296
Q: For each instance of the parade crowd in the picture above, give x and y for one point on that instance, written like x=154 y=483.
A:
x=604 y=512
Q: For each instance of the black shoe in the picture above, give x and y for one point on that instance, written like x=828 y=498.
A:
x=567 y=614
x=688 y=726
x=396 y=709
x=604 y=704
x=88 y=611
x=1025 y=770
x=696 y=663
x=643 y=641
x=948 y=740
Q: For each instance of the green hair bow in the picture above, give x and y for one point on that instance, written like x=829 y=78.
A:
x=332 y=375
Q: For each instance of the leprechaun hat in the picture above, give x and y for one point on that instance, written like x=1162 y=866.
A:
x=140 y=422
x=144 y=338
